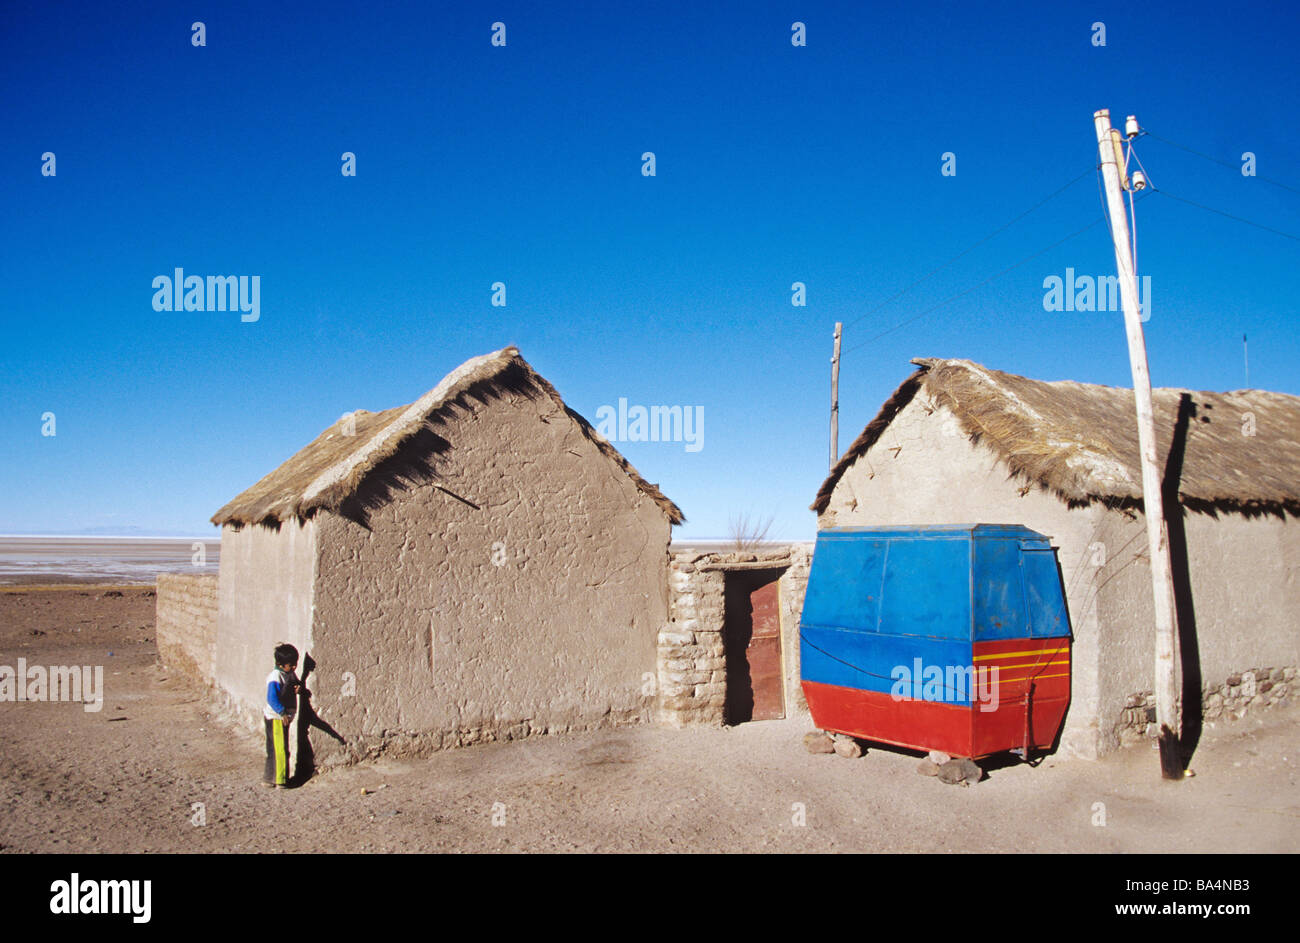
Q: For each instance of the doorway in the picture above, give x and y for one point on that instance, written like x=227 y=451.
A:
x=752 y=640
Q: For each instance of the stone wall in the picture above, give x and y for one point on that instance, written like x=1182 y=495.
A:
x=391 y=743
x=186 y=619
x=1241 y=693
x=794 y=584
x=691 y=646
x=692 y=663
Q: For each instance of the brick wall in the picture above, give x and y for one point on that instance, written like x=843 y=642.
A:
x=187 y=624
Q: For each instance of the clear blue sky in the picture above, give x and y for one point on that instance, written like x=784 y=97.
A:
x=522 y=164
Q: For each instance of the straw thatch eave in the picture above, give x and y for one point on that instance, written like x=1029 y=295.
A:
x=1079 y=441
x=336 y=470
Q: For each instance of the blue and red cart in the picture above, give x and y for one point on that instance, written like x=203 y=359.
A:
x=952 y=638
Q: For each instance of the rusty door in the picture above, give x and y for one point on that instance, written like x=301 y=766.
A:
x=764 y=653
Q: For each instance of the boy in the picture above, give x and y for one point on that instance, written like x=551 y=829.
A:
x=281 y=704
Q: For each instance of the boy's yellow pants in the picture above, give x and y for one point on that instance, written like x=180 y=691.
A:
x=277 y=752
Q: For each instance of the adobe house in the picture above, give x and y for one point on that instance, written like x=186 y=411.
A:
x=960 y=443
x=477 y=565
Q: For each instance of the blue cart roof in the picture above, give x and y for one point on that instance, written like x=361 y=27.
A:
x=947 y=582
x=1016 y=531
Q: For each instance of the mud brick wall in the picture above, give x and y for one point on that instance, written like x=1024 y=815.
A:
x=186 y=619
x=1243 y=693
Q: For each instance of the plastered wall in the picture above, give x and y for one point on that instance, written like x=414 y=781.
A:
x=519 y=594
x=265 y=597
x=1244 y=603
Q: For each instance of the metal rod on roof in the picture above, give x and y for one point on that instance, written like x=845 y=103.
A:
x=1162 y=581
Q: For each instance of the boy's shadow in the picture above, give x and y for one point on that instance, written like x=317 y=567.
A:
x=308 y=718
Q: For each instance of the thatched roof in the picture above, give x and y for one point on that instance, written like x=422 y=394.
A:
x=1079 y=442
x=336 y=469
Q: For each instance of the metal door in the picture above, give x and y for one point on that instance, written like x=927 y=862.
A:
x=764 y=653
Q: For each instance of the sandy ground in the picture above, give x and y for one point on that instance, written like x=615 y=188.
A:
x=128 y=778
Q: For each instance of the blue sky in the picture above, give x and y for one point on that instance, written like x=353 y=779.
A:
x=522 y=164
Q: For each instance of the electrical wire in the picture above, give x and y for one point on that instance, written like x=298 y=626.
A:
x=1240 y=219
x=968 y=250
x=1151 y=188
x=1133 y=233
x=1221 y=163
x=981 y=284
x=1133 y=200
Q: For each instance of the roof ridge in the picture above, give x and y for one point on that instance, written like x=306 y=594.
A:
x=389 y=437
x=281 y=494
x=1079 y=440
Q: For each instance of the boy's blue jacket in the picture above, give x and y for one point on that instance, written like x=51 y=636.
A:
x=281 y=700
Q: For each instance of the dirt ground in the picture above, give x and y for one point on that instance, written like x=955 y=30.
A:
x=128 y=778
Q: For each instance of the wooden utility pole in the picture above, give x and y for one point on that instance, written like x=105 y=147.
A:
x=835 y=397
x=1162 y=584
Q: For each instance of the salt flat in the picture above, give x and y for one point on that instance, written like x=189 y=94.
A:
x=42 y=559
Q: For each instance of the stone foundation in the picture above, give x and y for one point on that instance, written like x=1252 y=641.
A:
x=1240 y=694
x=399 y=744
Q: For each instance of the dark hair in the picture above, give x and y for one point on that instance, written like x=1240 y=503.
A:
x=285 y=654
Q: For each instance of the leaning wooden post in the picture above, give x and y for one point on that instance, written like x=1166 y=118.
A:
x=835 y=397
x=1162 y=582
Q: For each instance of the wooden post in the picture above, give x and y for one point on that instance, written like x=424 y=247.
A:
x=1162 y=583
x=835 y=397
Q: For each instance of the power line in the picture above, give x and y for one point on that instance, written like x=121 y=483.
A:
x=1202 y=206
x=967 y=291
x=969 y=249
x=1240 y=219
x=1221 y=163
x=1077 y=232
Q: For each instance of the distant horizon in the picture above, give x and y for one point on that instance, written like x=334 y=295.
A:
x=133 y=536
x=675 y=541
x=217 y=536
